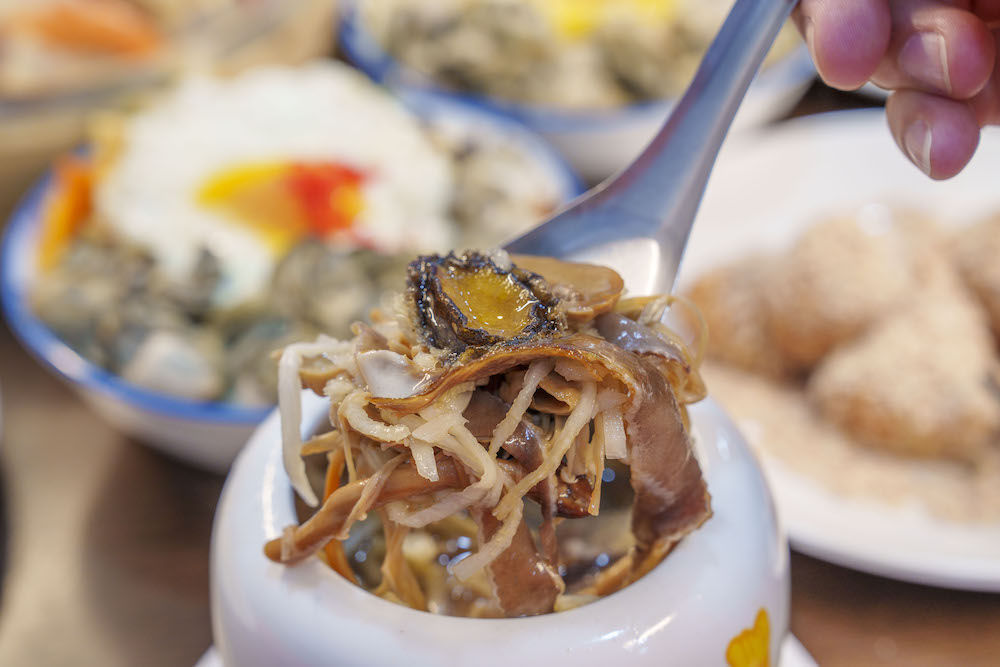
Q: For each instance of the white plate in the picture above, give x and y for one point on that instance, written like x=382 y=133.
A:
x=793 y=654
x=764 y=192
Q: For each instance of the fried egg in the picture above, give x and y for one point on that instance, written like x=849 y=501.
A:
x=246 y=167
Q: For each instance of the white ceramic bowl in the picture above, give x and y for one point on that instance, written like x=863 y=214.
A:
x=685 y=612
x=205 y=434
x=596 y=143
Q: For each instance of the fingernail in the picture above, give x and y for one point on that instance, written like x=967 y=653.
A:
x=917 y=141
x=924 y=56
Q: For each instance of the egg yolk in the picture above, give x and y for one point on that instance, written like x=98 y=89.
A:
x=577 y=19
x=284 y=202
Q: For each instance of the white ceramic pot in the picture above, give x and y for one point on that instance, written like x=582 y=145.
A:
x=713 y=588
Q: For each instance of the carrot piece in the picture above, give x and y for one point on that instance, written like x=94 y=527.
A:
x=67 y=206
x=334 y=549
x=100 y=26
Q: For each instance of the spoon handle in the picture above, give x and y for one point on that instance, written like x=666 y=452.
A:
x=657 y=196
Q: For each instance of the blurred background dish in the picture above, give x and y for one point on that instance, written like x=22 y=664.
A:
x=63 y=59
x=853 y=310
x=596 y=79
x=160 y=270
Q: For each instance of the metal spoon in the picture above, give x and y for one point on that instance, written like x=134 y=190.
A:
x=638 y=221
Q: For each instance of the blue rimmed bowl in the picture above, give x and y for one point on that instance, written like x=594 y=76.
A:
x=596 y=142
x=205 y=434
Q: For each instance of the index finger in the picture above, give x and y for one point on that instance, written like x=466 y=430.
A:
x=847 y=38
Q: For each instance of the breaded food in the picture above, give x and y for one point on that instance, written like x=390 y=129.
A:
x=731 y=299
x=977 y=255
x=920 y=382
x=838 y=279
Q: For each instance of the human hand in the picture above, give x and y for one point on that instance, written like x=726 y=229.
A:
x=939 y=57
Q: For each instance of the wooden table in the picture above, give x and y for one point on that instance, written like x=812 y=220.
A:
x=106 y=559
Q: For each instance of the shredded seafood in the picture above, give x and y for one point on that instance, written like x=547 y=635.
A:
x=489 y=387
